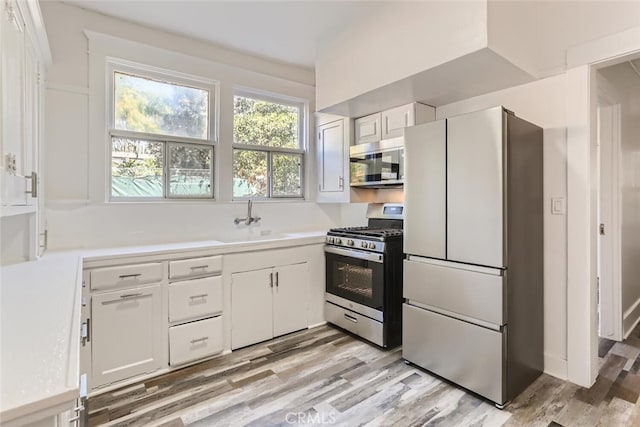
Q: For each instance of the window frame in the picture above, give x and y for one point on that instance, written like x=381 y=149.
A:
x=303 y=106
x=116 y=65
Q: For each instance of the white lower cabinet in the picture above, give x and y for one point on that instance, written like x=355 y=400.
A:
x=290 y=299
x=268 y=302
x=127 y=333
x=195 y=340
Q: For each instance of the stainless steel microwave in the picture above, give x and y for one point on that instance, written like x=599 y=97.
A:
x=377 y=164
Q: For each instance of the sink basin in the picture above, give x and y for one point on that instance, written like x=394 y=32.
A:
x=252 y=238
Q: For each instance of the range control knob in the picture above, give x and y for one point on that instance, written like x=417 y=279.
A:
x=337 y=241
x=372 y=245
x=363 y=244
x=350 y=242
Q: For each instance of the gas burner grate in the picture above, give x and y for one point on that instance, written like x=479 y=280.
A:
x=369 y=231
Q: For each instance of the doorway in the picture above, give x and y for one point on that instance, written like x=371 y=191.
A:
x=608 y=211
x=618 y=198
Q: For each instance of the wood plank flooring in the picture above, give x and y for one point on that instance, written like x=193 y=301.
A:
x=324 y=376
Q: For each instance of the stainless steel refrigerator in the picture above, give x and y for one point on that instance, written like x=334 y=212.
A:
x=473 y=236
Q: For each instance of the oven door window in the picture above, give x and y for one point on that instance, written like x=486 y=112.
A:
x=356 y=279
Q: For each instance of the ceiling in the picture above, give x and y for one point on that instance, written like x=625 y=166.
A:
x=286 y=31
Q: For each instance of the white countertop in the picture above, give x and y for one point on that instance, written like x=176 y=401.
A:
x=39 y=334
x=40 y=317
x=222 y=246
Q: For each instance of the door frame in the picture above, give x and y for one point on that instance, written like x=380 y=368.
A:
x=582 y=62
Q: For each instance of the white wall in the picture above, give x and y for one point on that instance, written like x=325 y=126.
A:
x=77 y=213
x=394 y=42
x=535 y=35
x=542 y=102
x=627 y=82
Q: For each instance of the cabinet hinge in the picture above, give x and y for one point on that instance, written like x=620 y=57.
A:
x=38 y=77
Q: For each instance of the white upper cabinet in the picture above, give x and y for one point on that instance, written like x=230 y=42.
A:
x=24 y=52
x=332 y=154
x=396 y=119
x=368 y=129
x=391 y=123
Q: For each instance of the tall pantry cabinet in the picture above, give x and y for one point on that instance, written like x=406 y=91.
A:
x=24 y=54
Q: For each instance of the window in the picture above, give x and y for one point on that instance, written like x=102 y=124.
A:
x=161 y=134
x=268 y=146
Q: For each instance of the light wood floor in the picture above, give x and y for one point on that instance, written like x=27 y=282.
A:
x=323 y=376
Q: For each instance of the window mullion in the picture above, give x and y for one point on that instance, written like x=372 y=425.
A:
x=269 y=174
x=165 y=170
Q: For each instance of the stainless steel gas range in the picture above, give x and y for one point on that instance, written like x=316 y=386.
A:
x=364 y=276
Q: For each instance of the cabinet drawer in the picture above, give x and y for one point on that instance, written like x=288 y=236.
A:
x=195 y=298
x=195 y=340
x=195 y=267
x=469 y=355
x=466 y=293
x=126 y=275
x=354 y=322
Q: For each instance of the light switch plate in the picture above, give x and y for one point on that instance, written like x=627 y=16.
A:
x=557 y=206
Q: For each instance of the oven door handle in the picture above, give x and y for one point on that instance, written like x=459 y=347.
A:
x=369 y=256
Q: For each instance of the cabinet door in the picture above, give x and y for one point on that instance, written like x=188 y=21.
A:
x=368 y=129
x=290 y=298
x=13 y=86
x=331 y=157
x=396 y=119
x=126 y=333
x=475 y=188
x=31 y=121
x=251 y=307
x=425 y=190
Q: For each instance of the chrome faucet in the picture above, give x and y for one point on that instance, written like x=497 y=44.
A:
x=249 y=219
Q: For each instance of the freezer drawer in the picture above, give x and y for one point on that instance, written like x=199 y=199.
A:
x=472 y=294
x=469 y=355
x=360 y=325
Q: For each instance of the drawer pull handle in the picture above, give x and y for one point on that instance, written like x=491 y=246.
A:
x=126 y=296
x=199 y=340
x=197 y=267
x=351 y=318
x=199 y=296
x=130 y=276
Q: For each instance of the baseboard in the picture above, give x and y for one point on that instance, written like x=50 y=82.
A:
x=315 y=325
x=555 y=366
x=630 y=319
